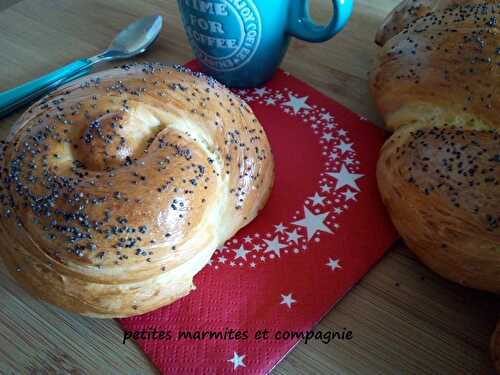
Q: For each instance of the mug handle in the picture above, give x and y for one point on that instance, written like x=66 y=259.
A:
x=301 y=25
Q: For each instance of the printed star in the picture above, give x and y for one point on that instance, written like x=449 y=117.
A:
x=348 y=161
x=274 y=246
x=241 y=253
x=327 y=137
x=333 y=264
x=261 y=91
x=348 y=194
x=325 y=188
x=232 y=264
x=329 y=126
x=248 y=98
x=317 y=200
x=344 y=147
x=270 y=101
x=280 y=228
x=293 y=236
x=297 y=103
x=342 y=133
x=252 y=264
x=237 y=360
x=247 y=239
x=334 y=155
x=313 y=223
x=287 y=300
x=344 y=178
x=257 y=247
x=326 y=116
x=279 y=96
x=337 y=210
x=222 y=259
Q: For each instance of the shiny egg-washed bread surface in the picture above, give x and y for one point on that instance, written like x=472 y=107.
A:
x=437 y=86
x=410 y=10
x=117 y=188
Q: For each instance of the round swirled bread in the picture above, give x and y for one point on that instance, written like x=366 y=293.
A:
x=117 y=188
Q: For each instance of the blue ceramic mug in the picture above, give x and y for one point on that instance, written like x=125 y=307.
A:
x=242 y=42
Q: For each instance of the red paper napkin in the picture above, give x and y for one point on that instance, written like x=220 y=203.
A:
x=323 y=228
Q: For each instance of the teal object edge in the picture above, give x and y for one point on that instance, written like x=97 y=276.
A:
x=11 y=99
x=303 y=27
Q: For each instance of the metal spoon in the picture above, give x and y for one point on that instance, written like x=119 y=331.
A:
x=131 y=41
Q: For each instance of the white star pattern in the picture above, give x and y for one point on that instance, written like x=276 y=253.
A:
x=313 y=223
x=345 y=178
x=327 y=137
x=293 y=236
x=349 y=195
x=241 y=253
x=237 y=360
x=337 y=188
x=325 y=188
x=287 y=300
x=344 y=147
x=317 y=199
x=341 y=133
x=260 y=91
x=270 y=101
x=280 y=228
x=297 y=103
x=333 y=264
x=326 y=117
x=274 y=246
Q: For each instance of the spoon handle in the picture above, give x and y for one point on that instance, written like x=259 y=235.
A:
x=12 y=99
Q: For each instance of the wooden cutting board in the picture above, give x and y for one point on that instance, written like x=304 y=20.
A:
x=404 y=318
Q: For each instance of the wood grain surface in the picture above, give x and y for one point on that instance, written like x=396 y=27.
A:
x=405 y=319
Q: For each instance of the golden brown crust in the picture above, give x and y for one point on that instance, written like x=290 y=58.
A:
x=117 y=188
x=439 y=175
x=444 y=65
x=441 y=191
x=409 y=11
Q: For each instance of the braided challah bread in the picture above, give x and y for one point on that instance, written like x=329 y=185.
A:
x=117 y=188
x=437 y=86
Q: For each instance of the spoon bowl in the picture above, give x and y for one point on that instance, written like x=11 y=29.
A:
x=131 y=41
x=136 y=37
